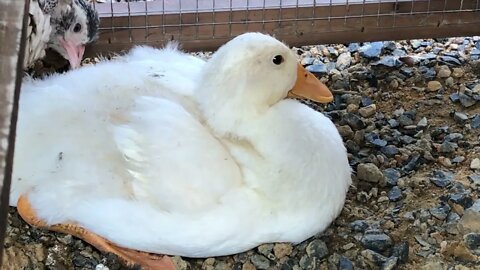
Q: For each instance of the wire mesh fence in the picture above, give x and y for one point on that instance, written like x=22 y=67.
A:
x=206 y=24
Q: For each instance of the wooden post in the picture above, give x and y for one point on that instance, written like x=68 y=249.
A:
x=12 y=46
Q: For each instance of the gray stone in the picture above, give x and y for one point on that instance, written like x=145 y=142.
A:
x=374 y=139
x=461 y=198
x=307 y=61
x=460 y=118
x=390 y=45
x=448 y=147
x=260 y=261
x=359 y=225
x=454 y=97
x=434 y=86
x=415 y=43
x=428 y=73
x=390 y=264
x=458 y=72
x=388 y=61
x=440 y=212
x=476 y=121
x=400 y=251
x=343 y=61
x=317 y=249
x=453 y=137
x=458 y=159
x=423 y=123
x=374 y=257
x=441 y=178
x=376 y=240
x=395 y=194
x=475 y=178
x=344 y=263
x=368 y=110
x=390 y=150
x=472 y=241
x=345 y=131
x=444 y=72
x=369 y=172
x=470 y=221
x=391 y=175
x=366 y=101
x=475 y=164
x=393 y=123
x=466 y=101
x=450 y=60
x=353 y=47
x=317 y=68
x=405 y=120
x=371 y=50
x=354 y=121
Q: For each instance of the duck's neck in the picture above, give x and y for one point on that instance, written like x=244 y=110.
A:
x=289 y=153
x=228 y=110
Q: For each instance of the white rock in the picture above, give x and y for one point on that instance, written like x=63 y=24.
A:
x=475 y=164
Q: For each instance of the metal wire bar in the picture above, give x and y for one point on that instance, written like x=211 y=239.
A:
x=186 y=20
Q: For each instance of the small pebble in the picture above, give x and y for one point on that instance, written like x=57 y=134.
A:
x=401 y=251
x=390 y=264
x=369 y=172
x=318 y=249
x=282 y=250
x=460 y=118
x=359 y=225
x=434 y=86
x=472 y=241
x=475 y=164
x=376 y=240
x=458 y=72
x=260 y=261
x=344 y=263
x=441 y=212
x=374 y=257
x=444 y=72
x=476 y=121
x=466 y=101
x=367 y=111
x=441 y=178
x=395 y=194
x=391 y=175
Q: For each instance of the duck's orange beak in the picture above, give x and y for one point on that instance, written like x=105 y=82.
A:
x=309 y=87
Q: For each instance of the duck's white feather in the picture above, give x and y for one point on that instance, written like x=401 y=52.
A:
x=62 y=107
x=143 y=165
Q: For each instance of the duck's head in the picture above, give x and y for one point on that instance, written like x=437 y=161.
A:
x=251 y=73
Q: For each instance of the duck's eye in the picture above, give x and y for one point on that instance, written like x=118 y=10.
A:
x=277 y=59
x=77 y=28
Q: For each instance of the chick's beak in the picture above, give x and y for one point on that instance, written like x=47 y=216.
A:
x=74 y=52
x=309 y=87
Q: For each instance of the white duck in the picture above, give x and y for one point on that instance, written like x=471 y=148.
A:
x=181 y=156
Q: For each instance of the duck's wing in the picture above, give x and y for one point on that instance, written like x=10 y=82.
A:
x=173 y=160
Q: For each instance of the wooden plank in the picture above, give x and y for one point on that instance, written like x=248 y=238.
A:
x=211 y=25
x=302 y=39
x=12 y=49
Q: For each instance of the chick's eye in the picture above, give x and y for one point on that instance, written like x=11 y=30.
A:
x=77 y=28
x=277 y=59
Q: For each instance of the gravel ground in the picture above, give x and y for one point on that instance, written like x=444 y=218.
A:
x=409 y=117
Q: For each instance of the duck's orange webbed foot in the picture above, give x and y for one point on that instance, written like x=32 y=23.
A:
x=128 y=256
